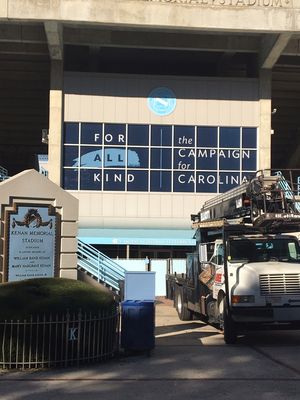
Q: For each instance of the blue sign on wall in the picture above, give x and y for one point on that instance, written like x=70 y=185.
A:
x=157 y=158
x=162 y=101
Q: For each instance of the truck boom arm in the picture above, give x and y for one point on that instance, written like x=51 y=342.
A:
x=268 y=201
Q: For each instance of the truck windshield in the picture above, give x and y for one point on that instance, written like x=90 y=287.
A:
x=259 y=250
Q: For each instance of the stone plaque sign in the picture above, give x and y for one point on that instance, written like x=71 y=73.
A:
x=31 y=234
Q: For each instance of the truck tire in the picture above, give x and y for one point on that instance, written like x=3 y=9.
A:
x=183 y=312
x=227 y=325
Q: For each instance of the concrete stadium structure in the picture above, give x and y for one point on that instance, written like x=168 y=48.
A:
x=151 y=106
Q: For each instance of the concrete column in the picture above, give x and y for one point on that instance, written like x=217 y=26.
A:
x=3 y=9
x=264 y=144
x=55 y=121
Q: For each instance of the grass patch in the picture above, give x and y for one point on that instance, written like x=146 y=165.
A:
x=20 y=300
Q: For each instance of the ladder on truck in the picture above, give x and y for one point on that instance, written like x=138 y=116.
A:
x=269 y=201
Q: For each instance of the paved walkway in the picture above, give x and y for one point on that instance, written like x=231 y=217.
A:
x=190 y=360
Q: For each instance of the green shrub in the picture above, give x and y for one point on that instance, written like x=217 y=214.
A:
x=23 y=299
x=38 y=316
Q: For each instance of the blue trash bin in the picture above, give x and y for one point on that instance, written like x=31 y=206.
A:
x=137 y=325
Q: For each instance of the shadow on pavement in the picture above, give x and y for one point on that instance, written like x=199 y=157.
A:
x=278 y=338
x=160 y=330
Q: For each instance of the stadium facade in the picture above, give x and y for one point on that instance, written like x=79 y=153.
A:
x=146 y=108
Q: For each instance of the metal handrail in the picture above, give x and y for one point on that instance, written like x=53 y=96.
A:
x=100 y=266
x=3 y=173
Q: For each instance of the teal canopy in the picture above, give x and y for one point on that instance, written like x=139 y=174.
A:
x=155 y=237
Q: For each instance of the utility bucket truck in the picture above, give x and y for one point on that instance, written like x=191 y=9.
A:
x=245 y=272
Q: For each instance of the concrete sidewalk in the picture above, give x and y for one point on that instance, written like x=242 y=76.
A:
x=190 y=360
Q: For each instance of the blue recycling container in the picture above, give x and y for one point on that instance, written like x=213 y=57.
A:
x=137 y=325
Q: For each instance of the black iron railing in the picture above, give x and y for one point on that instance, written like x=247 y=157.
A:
x=59 y=340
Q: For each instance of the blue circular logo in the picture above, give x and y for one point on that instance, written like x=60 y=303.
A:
x=162 y=101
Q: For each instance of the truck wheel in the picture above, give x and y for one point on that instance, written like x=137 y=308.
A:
x=227 y=325
x=183 y=312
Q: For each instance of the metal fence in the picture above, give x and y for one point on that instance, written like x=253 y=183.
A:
x=60 y=340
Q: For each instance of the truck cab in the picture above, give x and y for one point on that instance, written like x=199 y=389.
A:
x=263 y=282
